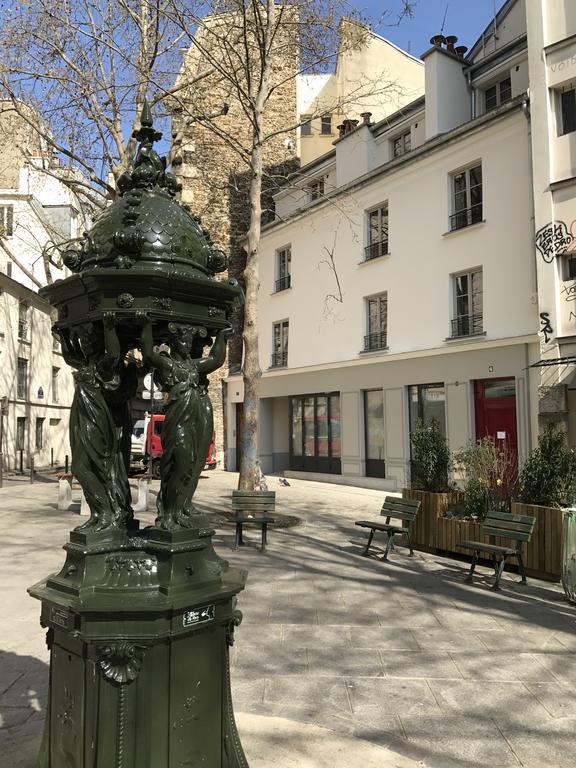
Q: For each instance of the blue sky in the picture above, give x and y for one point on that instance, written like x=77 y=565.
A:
x=465 y=18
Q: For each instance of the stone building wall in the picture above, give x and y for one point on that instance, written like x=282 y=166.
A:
x=215 y=184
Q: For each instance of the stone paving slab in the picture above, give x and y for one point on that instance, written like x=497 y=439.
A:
x=341 y=661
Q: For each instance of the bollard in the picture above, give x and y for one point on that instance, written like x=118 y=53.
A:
x=84 y=508
x=21 y=462
x=143 y=486
x=51 y=457
x=64 y=494
x=66 y=464
x=31 y=469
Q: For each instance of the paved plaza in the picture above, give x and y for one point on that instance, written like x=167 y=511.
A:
x=341 y=661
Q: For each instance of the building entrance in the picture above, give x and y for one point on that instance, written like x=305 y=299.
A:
x=495 y=411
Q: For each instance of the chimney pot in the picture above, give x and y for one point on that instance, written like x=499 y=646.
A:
x=437 y=40
x=450 y=40
x=460 y=50
x=366 y=117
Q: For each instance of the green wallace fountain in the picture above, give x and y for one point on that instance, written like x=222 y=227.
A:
x=140 y=620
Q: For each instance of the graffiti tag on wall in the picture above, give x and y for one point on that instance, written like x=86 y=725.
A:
x=546 y=326
x=569 y=292
x=555 y=239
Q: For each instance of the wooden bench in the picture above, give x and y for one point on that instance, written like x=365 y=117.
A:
x=393 y=508
x=253 y=508
x=517 y=528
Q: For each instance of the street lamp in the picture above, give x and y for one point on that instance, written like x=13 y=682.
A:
x=140 y=620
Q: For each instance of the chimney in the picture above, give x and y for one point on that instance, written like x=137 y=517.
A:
x=460 y=51
x=448 y=101
x=366 y=117
x=347 y=126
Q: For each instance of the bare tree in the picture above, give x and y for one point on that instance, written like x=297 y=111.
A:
x=255 y=50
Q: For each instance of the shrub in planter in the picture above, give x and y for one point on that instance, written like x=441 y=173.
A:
x=548 y=477
x=491 y=477
x=430 y=458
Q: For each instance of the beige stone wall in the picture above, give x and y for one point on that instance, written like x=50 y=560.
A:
x=18 y=141
x=215 y=182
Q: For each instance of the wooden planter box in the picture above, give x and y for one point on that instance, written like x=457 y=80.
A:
x=432 y=509
x=544 y=552
x=432 y=532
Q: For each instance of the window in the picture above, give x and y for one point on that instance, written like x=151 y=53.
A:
x=315 y=189
x=402 y=144
x=567 y=121
x=280 y=341
x=315 y=433
x=377 y=322
x=377 y=233
x=22 y=379
x=497 y=94
x=468 y=319
x=283 y=262
x=466 y=198
x=306 y=125
x=374 y=432
x=39 y=434
x=23 y=321
x=21 y=433
x=7 y=220
x=427 y=402
x=55 y=396
x=326 y=125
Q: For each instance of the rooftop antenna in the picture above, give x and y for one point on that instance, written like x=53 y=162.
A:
x=444 y=19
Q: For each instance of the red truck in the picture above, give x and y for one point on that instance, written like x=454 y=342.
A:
x=146 y=448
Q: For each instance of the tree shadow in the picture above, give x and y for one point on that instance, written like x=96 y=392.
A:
x=23 y=699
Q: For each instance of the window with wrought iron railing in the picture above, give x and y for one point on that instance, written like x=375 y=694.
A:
x=377 y=231
x=468 y=317
x=283 y=269
x=279 y=357
x=377 y=323
x=466 y=198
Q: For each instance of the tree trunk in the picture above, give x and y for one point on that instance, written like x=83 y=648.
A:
x=250 y=473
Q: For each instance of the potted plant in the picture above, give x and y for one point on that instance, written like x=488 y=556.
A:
x=489 y=473
x=547 y=486
x=430 y=470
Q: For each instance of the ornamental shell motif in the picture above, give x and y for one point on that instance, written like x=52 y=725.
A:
x=120 y=662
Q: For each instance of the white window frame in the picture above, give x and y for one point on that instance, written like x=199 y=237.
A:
x=498 y=93
x=404 y=138
x=283 y=268
x=315 y=190
x=376 y=339
x=326 y=122
x=280 y=352
x=7 y=220
x=471 y=323
x=305 y=125
x=473 y=212
x=380 y=247
x=561 y=123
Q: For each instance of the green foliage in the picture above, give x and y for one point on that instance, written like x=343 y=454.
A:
x=548 y=476
x=430 y=457
x=490 y=476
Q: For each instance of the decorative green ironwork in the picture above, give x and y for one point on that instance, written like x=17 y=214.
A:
x=140 y=619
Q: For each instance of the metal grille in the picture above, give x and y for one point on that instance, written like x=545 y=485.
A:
x=466 y=217
x=375 y=341
x=467 y=325
x=379 y=248
x=279 y=360
x=282 y=283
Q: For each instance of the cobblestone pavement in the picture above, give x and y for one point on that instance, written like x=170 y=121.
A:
x=400 y=662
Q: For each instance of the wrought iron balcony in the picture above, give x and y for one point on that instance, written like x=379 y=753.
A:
x=466 y=217
x=379 y=248
x=375 y=341
x=467 y=325
x=279 y=359
x=282 y=283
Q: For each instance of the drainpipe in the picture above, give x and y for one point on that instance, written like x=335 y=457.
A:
x=529 y=372
x=472 y=94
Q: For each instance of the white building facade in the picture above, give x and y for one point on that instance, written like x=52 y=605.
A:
x=36 y=386
x=399 y=280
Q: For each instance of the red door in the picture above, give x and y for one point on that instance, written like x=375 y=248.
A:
x=495 y=410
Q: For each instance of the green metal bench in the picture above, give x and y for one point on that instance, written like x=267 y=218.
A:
x=404 y=510
x=517 y=528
